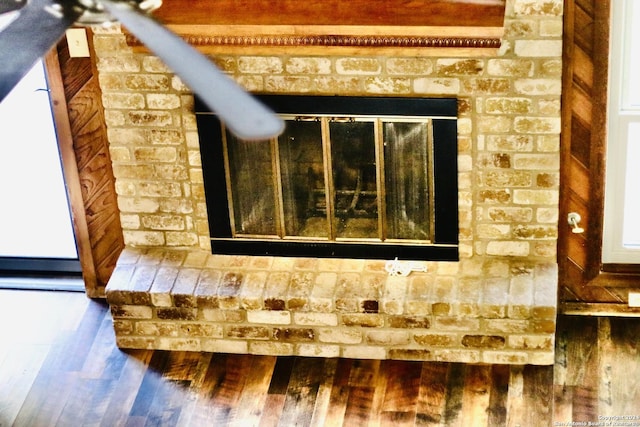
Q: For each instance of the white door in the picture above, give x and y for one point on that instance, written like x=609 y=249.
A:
x=35 y=221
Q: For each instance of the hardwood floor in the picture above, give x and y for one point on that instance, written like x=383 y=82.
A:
x=59 y=366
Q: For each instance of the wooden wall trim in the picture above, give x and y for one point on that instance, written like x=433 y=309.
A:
x=598 y=136
x=280 y=39
x=70 y=168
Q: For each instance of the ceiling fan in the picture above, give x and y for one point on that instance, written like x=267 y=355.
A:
x=41 y=23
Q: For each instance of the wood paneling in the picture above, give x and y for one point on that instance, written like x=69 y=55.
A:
x=583 y=282
x=87 y=166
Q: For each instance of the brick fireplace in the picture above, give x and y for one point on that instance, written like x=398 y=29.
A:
x=497 y=304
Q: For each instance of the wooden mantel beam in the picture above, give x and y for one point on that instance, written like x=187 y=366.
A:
x=355 y=26
x=405 y=13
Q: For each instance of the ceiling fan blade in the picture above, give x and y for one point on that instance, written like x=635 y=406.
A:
x=11 y=5
x=242 y=114
x=39 y=25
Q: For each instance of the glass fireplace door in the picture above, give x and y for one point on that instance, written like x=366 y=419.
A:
x=333 y=179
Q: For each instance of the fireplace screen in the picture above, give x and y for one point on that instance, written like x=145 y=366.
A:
x=335 y=183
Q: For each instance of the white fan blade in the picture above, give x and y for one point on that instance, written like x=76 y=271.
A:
x=241 y=113
x=38 y=26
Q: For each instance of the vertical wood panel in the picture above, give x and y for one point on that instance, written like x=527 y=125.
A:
x=87 y=166
x=584 y=100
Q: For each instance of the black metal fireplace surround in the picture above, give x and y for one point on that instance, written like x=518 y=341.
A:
x=351 y=177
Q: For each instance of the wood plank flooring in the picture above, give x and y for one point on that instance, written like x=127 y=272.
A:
x=59 y=366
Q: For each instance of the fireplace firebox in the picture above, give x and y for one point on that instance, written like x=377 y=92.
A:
x=350 y=177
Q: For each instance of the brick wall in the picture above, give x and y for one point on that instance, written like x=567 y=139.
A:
x=500 y=297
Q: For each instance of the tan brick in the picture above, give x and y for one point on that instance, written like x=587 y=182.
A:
x=336 y=84
x=455 y=324
x=363 y=352
x=508 y=105
x=437 y=85
x=156 y=101
x=409 y=66
x=248 y=332
x=506 y=326
x=535 y=197
x=520 y=143
x=287 y=84
x=510 y=67
x=308 y=65
x=536 y=8
x=538 y=86
x=409 y=354
x=224 y=346
x=252 y=289
x=178 y=344
x=358 y=66
x=122 y=63
x=123 y=100
x=269 y=317
x=161 y=286
x=260 y=65
x=505 y=357
x=510 y=214
x=201 y=329
x=409 y=322
x=457 y=356
x=387 y=85
x=508 y=248
x=363 y=320
x=493 y=231
x=483 y=341
x=155 y=154
x=387 y=338
x=318 y=350
x=487 y=86
x=271 y=348
x=154 y=64
x=176 y=313
x=437 y=340
x=175 y=238
x=123 y=327
x=143 y=343
x=537 y=125
x=340 y=335
x=147 y=82
x=459 y=67
x=163 y=222
x=156 y=329
x=315 y=319
x=131 y=312
x=535 y=232
x=223 y=316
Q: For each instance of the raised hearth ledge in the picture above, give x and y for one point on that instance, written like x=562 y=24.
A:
x=191 y=300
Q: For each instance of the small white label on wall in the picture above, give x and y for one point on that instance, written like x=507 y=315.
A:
x=634 y=299
x=77 y=42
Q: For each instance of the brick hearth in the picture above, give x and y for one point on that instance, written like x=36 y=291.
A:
x=195 y=301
